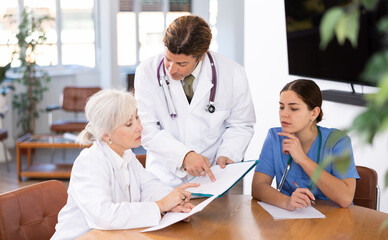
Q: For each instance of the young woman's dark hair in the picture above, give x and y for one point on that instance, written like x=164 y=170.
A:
x=309 y=92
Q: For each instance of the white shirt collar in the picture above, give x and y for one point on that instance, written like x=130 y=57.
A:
x=196 y=71
x=117 y=161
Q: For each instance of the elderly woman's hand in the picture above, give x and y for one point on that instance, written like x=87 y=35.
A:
x=178 y=196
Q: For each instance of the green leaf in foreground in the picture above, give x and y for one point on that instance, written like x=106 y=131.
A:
x=384 y=225
x=328 y=24
x=369 y=4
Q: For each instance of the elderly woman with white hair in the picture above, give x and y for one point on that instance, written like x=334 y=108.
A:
x=109 y=188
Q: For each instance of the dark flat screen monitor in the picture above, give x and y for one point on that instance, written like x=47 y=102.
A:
x=341 y=63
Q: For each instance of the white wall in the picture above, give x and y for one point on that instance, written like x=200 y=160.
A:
x=230 y=30
x=267 y=70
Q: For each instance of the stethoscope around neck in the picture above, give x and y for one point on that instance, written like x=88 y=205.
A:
x=166 y=88
x=283 y=179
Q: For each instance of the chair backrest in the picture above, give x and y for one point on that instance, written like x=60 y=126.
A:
x=367 y=194
x=75 y=98
x=31 y=212
x=142 y=159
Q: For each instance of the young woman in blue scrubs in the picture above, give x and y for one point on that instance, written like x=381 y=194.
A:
x=302 y=144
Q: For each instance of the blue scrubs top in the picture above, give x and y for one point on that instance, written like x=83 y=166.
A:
x=273 y=161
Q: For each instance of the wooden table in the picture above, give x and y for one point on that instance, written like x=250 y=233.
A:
x=240 y=217
x=42 y=170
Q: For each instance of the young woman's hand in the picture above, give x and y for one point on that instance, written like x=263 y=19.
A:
x=292 y=145
x=300 y=198
x=177 y=197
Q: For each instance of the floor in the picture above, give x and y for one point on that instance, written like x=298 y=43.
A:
x=9 y=180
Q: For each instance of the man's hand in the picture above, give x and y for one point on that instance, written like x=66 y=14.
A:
x=198 y=165
x=222 y=161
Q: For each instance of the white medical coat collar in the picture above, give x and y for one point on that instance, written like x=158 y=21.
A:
x=117 y=161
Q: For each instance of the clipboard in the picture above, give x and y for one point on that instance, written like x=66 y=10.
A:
x=225 y=179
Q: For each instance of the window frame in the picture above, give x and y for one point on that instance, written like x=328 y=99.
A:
x=137 y=10
x=59 y=68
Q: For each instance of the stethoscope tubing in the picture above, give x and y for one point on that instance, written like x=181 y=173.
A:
x=288 y=166
x=170 y=106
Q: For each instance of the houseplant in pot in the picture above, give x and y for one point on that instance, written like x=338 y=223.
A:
x=4 y=88
x=32 y=80
x=344 y=23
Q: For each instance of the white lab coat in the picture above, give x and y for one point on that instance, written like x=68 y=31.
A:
x=226 y=132
x=109 y=192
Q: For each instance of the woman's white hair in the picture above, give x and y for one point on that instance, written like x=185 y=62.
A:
x=106 y=110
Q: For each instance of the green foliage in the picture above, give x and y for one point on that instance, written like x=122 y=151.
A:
x=3 y=70
x=328 y=25
x=341 y=22
x=371 y=121
x=30 y=35
x=374 y=119
x=341 y=162
x=347 y=27
x=384 y=225
x=369 y=4
x=376 y=67
x=386 y=179
x=382 y=26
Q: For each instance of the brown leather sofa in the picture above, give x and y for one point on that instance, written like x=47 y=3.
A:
x=31 y=212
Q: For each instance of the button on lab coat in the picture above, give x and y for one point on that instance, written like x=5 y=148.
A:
x=226 y=132
x=109 y=192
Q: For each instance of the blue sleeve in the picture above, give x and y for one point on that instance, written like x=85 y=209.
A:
x=266 y=161
x=344 y=144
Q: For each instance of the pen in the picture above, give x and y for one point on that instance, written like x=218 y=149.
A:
x=312 y=201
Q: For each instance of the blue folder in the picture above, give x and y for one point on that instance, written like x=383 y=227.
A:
x=209 y=195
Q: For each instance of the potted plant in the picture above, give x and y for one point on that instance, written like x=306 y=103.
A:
x=5 y=86
x=343 y=22
x=32 y=78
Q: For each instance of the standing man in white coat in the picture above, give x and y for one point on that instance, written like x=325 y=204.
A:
x=195 y=105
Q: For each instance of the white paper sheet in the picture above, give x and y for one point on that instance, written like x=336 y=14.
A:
x=280 y=213
x=225 y=178
x=173 y=217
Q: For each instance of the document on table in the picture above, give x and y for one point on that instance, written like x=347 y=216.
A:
x=280 y=213
x=225 y=179
x=173 y=217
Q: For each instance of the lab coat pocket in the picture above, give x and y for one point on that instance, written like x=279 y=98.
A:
x=217 y=123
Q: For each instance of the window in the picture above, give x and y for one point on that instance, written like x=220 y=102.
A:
x=70 y=37
x=7 y=27
x=141 y=25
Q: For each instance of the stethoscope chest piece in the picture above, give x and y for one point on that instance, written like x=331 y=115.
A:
x=210 y=108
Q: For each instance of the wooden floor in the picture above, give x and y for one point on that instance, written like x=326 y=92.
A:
x=9 y=180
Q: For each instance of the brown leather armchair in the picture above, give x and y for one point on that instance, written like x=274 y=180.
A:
x=367 y=190
x=74 y=100
x=31 y=212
